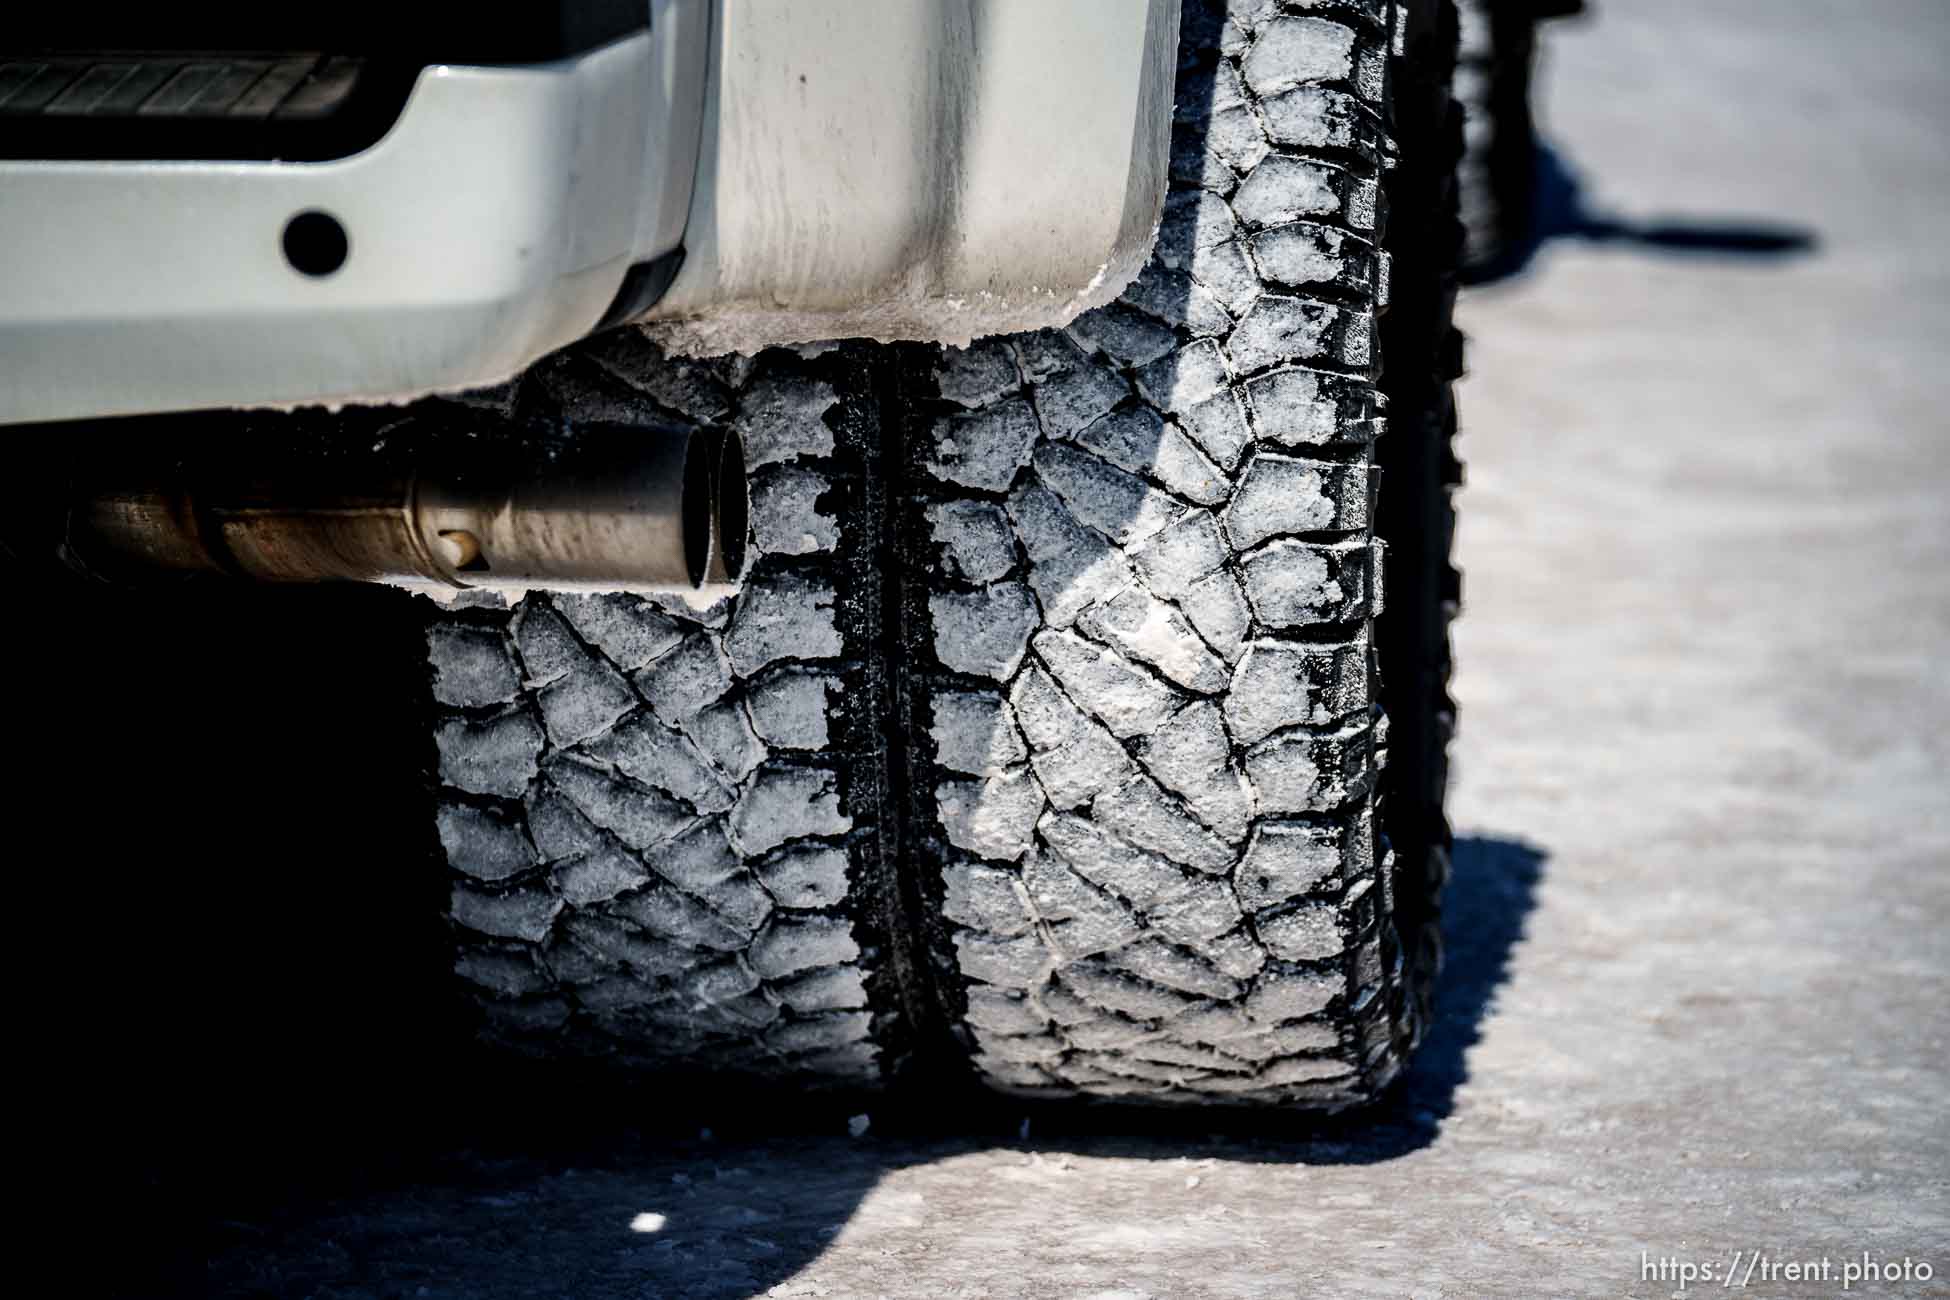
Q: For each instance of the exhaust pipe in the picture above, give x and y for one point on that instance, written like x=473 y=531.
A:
x=611 y=510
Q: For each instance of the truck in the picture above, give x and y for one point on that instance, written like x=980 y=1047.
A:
x=937 y=514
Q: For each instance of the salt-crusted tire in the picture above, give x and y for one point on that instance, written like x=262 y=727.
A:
x=1154 y=701
x=1059 y=738
x=668 y=827
x=1496 y=177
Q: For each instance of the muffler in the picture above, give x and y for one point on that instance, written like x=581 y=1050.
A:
x=623 y=509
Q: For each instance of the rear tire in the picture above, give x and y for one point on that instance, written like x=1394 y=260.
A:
x=1187 y=773
x=1063 y=736
x=668 y=827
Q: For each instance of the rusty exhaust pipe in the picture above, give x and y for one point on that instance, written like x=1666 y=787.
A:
x=611 y=510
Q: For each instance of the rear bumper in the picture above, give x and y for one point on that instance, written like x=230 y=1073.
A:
x=494 y=221
x=876 y=168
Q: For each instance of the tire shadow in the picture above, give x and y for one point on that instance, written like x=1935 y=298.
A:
x=489 y=1181
x=1559 y=212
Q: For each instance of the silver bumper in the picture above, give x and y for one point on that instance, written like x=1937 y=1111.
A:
x=493 y=223
x=877 y=168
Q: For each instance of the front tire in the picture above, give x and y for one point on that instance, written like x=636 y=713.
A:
x=1497 y=174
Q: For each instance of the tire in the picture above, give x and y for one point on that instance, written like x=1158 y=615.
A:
x=1496 y=178
x=668 y=827
x=1168 y=873
x=1059 y=738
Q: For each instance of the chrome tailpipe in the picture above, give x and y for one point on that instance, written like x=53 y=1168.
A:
x=610 y=510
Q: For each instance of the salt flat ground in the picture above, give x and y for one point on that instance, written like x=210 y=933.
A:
x=1699 y=997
